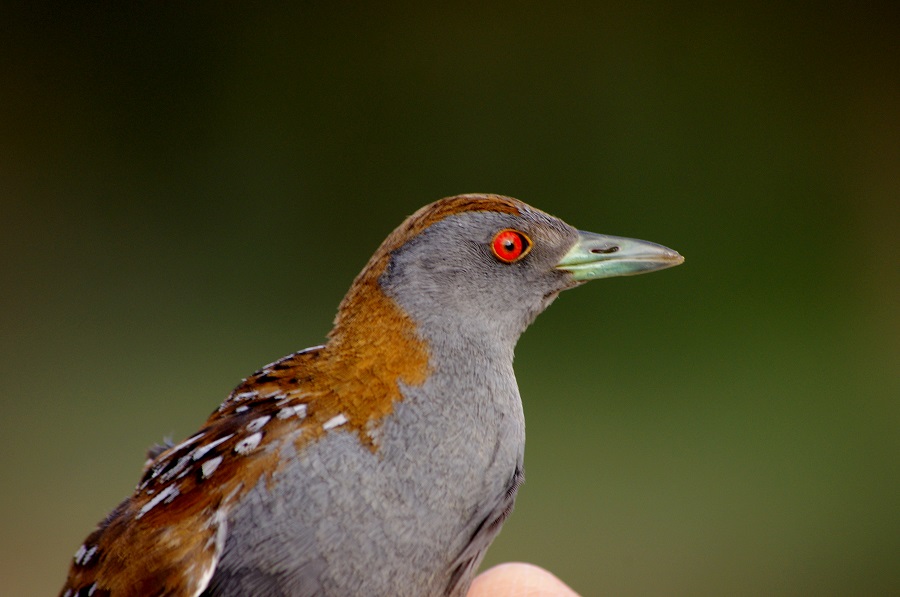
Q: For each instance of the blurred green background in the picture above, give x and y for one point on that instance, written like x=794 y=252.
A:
x=186 y=192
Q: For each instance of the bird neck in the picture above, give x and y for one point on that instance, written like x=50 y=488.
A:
x=372 y=350
x=383 y=339
x=377 y=340
x=372 y=331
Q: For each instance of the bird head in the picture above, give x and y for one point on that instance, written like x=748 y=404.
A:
x=484 y=266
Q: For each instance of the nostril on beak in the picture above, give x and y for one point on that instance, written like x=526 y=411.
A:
x=606 y=250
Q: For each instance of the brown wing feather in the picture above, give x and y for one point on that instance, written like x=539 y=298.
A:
x=167 y=537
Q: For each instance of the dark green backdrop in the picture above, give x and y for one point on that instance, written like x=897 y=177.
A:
x=185 y=194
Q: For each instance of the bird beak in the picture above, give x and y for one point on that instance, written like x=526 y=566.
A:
x=601 y=256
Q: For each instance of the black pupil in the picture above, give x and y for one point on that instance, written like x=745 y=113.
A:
x=509 y=245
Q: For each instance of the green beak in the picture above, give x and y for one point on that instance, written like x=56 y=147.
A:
x=601 y=256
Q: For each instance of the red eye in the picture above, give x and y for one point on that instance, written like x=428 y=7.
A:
x=510 y=245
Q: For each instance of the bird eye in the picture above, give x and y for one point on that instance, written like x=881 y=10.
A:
x=510 y=245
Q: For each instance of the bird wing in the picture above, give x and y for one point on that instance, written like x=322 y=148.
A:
x=167 y=537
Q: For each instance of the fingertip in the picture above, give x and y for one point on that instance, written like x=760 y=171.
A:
x=518 y=579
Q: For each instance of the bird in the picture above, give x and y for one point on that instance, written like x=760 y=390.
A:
x=383 y=462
